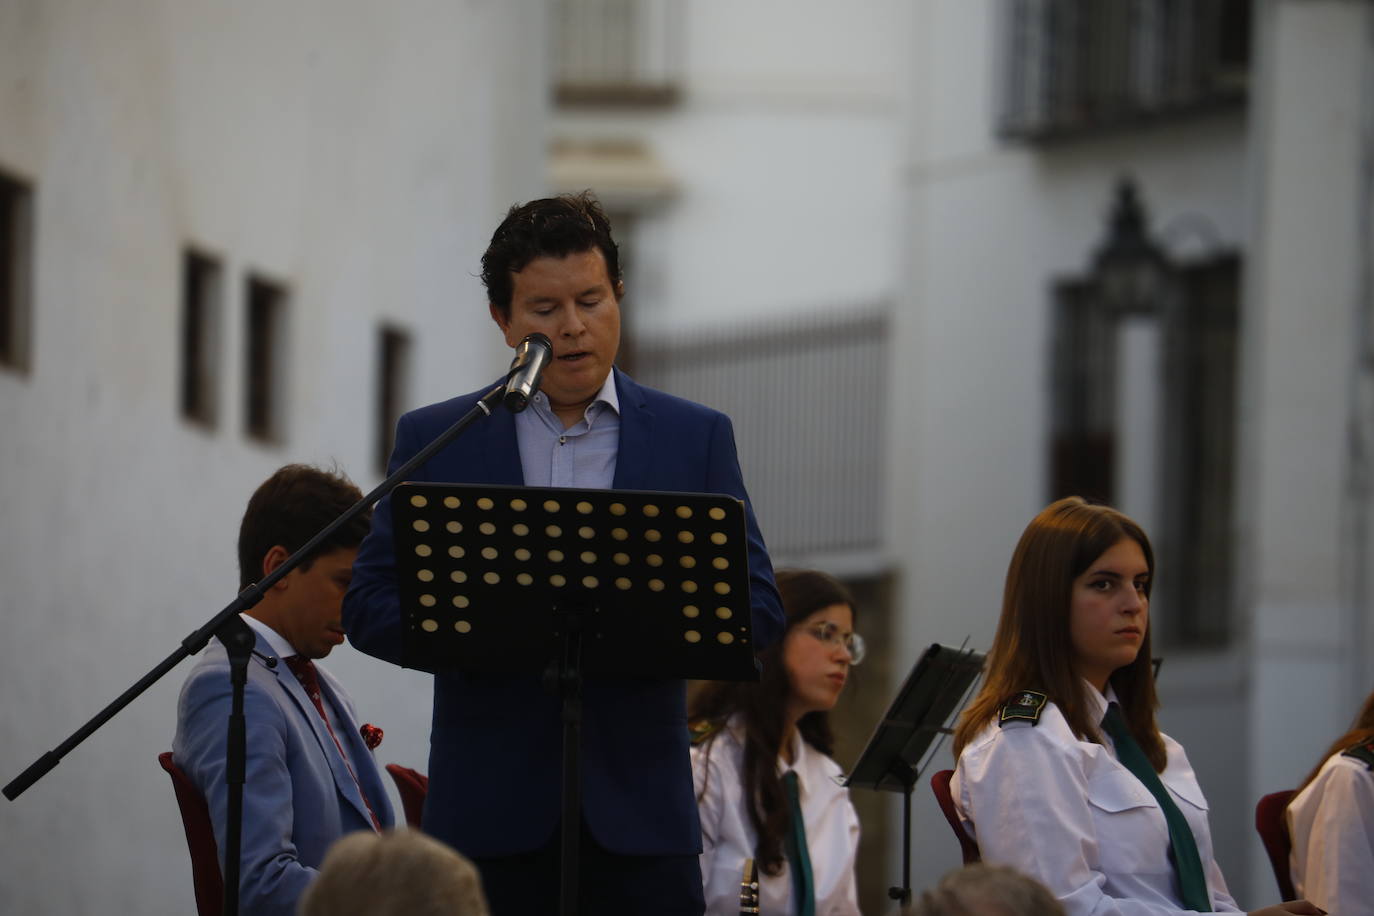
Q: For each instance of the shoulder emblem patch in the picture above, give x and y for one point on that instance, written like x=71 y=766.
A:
x=699 y=731
x=1362 y=752
x=1026 y=706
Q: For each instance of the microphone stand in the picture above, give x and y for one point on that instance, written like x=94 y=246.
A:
x=238 y=640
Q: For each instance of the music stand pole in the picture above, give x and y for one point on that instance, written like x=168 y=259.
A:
x=903 y=894
x=238 y=639
x=931 y=695
x=569 y=679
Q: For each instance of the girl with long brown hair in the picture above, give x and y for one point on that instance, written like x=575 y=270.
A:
x=1062 y=771
x=1331 y=823
x=761 y=756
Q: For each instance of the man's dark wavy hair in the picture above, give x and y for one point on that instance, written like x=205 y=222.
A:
x=552 y=227
x=289 y=508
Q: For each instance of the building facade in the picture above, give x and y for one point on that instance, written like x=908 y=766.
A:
x=232 y=234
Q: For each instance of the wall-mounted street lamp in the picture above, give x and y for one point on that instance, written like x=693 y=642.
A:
x=1154 y=367
x=1132 y=273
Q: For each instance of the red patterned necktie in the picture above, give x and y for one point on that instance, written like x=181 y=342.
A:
x=304 y=670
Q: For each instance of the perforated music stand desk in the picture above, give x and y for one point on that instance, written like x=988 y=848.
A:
x=619 y=584
x=662 y=578
x=932 y=693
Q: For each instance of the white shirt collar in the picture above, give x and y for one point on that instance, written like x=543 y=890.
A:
x=783 y=765
x=1097 y=708
x=807 y=763
x=605 y=396
x=1097 y=703
x=278 y=643
x=607 y=393
x=804 y=760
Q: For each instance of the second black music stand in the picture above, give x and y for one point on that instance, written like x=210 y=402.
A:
x=569 y=583
x=932 y=693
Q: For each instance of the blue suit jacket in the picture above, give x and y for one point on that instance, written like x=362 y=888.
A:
x=298 y=796
x=495 y=748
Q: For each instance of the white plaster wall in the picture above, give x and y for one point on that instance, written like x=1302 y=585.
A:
x=785 y=151
x=359 y=153
x=1313 y=125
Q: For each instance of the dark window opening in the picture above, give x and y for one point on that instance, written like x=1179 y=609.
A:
x=393 y=373
x=16 y=265
x=264 y=363
x=201 y=289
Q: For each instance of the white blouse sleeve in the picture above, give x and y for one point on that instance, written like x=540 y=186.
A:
x=707 y=782
x=1338 y=874
x=1036 y=806
x=847 y=898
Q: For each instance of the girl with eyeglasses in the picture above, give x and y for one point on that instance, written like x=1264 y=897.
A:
x=1062 y=771
x=761 y=755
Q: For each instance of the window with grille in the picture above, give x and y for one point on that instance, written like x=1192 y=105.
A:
x=617 y=52
x=1075 y=66
x=1192 y=377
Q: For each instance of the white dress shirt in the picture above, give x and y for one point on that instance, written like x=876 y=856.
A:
x=1067 y=813
x=1331 y=822
x=728 y=836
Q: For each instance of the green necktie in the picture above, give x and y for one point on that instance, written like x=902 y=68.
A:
x=803 y=882
x=1182 y=847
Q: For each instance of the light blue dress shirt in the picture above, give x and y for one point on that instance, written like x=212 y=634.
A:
x=581 y=456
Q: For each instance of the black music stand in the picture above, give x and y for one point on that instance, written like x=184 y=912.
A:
x=571 y=582
x=932 y=693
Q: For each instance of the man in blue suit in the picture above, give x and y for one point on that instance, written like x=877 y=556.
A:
x=310 y=775
x=495 y=748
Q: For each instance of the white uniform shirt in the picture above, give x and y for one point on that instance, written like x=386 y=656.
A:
x=728 y=836
x=1331 y=822
x=1068 y=814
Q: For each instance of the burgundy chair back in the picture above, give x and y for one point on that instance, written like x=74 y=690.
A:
x=413 y=786
x=939 y=784
x=1269 y=821
x=200 y=840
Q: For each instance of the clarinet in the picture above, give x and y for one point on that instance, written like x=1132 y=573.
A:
x=749 y=889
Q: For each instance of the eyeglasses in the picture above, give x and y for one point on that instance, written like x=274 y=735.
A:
x=829 y=633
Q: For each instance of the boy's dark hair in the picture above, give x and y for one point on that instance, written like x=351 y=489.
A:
x=552 y=227
x=289 y=508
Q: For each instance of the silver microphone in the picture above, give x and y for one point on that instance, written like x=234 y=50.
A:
x=532 y=357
